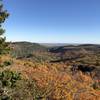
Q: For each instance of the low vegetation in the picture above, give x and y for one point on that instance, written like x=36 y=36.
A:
x=34 y=72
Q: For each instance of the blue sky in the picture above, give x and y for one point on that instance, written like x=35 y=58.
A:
x=54 y=21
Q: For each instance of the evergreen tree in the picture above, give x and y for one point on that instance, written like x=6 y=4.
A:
x=3 y=15
x=7 y=78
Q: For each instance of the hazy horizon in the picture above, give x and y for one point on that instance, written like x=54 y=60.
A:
x=70 y=43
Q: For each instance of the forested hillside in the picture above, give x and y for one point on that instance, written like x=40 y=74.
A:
x=25 y=49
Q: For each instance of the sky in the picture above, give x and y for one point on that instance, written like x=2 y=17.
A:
x=53 y=21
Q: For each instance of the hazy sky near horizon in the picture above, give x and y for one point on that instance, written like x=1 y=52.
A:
x=53 y=21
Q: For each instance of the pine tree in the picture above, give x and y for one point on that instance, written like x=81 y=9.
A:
x=3 y=15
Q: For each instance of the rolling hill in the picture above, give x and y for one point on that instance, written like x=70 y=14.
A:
x=25 y=49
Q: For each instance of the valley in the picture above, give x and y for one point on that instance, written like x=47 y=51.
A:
x=69 y=72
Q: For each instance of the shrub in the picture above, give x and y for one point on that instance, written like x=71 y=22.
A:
x=96 y=86
x=8 y=81
x=7 y=63
x=9 y=78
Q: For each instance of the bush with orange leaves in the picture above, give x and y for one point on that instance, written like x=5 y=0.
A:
x=50 y=81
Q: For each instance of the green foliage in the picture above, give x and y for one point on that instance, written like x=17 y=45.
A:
x=3 y=45
x=9 y=78
x=7 y=63
x=8 y=81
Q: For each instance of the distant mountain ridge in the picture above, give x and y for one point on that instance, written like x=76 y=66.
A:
x=56 y=44
x=87 y=47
